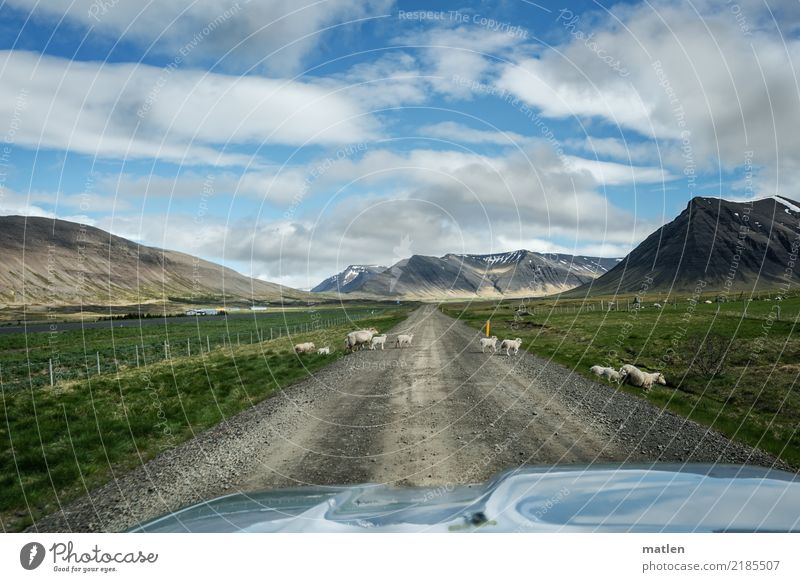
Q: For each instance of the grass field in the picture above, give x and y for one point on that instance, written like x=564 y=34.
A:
x=25 y=358
x=731 y=366
x=57 y=442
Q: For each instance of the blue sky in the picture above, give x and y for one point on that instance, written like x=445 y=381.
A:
x=291 y=139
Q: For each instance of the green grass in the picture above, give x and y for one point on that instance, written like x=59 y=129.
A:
x=56 y=442
x=754 y=398
x=24 y=358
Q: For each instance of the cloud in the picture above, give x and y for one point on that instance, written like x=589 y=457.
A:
x=704 y=87
x=443 y=201
x=138 y=111
x=241 y=34
x=42 y=204
x=459 y=133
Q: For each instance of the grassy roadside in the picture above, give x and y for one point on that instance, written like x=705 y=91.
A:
x=55 y=443
x=752 y=397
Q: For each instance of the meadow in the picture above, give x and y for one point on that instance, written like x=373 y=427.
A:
x=731 y=366
x=25 y=358
x=58 y=442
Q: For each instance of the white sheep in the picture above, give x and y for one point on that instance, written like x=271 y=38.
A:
x=489 y=342
x=657 y=305
x=707 y=301
x=404 y=340
x=634 y=376
x=609 y=373
x=357 y=339
x=324 y=351
x=378 y=340
x=509 y=345
x=305 y=348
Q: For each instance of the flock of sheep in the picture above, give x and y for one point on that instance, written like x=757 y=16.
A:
x=370 y=338
x=631 y=375
x=357 y=340
x=508 y=345
x=626 y=374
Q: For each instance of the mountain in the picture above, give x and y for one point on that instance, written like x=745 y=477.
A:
x=729 y=245
x=351 y=279
x=58 y=262
x=517 y=273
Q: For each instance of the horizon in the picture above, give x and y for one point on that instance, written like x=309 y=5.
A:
x=375 y=265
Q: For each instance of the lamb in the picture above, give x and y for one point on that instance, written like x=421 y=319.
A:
x=509 y=345
x=326 y=351
x=609 y=373
x=305 y=348
x=378 y=340
x=404 y=340
x=635 y=377
x=357 y=339
x=489 y=342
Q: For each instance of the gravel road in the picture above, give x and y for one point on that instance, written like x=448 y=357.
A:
x=437 y=413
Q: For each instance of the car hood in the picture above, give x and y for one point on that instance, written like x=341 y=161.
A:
x=685 y=498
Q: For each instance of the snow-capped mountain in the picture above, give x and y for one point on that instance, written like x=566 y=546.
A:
x=348 y=280
x=519 y=272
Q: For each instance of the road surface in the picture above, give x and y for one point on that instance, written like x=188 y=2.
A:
x=438 y=413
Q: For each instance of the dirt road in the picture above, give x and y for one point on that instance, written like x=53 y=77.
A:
x=440 y=412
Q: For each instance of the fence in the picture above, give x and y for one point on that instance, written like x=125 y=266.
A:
x=51 y=371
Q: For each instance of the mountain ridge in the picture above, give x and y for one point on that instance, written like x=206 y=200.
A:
x=54 y=261
x=725 y=244
x=519 y=272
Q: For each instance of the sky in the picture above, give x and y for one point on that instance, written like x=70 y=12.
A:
x=290 y=139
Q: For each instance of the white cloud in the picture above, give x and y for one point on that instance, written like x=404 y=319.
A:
x=138 y=111
x=238 y=33
x=698 y=78
x=459 y=133
x=41 y=204
x=443 y=201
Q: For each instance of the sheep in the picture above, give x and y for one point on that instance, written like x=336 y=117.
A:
x=509 y=345
x=305 y=348
x=707 y=301
x=324 y=351
x=489 y=342
x=657 y=305
x=357 y=339
x=609 y=373
x=636 y=377
x=404 y=340
x=378 y=340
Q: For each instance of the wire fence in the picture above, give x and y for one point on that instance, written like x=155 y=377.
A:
x=40 y=373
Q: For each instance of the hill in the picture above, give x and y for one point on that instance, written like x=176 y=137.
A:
x=728 y=245
x=56 y=262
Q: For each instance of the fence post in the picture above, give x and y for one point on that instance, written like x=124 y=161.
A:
x=238 y=342
x=137 y=354
x=98 y=362
x=166 y=350
x=51 y=372
x=188 y=347
x=270 y=333
x=208 y=344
